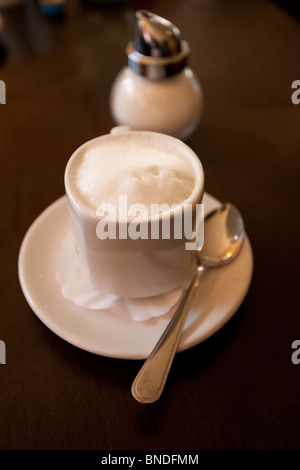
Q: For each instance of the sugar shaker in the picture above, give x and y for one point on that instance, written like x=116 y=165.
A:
x=157 y=90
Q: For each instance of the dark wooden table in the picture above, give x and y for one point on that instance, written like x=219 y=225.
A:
x=239 y=389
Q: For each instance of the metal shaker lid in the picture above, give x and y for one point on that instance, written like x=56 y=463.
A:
x=158 y=51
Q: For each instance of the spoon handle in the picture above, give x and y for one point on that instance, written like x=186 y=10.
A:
x=150 y=381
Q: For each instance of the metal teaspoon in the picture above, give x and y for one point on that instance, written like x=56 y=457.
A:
x=223 y=238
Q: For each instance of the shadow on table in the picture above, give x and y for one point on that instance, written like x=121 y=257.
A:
x=3 y=54
x=291 y=6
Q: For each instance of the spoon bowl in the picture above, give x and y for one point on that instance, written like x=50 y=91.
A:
x=224 y=235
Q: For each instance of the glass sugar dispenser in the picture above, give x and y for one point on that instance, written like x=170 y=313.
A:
x=157 y=90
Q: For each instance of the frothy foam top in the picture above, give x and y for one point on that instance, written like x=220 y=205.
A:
x=144 y=175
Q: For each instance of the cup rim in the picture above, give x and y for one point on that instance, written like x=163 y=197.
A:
x=195 y=196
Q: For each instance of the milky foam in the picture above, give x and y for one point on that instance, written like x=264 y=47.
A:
x=144 y=175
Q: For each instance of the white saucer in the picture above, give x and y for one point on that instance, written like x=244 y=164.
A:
x=101 y=332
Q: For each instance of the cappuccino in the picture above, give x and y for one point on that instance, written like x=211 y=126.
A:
x=143 y=254
x=145 y=173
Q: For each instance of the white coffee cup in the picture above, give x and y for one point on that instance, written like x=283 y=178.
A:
x=127 y=266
